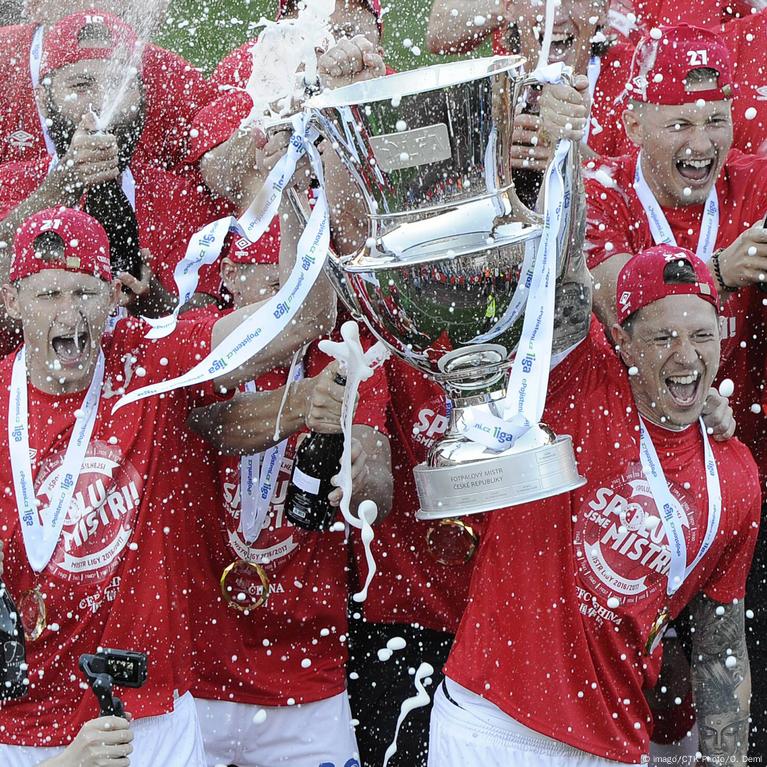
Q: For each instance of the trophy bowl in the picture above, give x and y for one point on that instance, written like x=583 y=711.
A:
x=441 y=277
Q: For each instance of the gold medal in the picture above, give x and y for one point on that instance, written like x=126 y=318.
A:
x=244 y=585
x=34 y=614
x=657 y=631
x=451 y=542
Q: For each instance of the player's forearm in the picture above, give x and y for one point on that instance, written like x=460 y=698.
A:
x=315 y=317
x=452 y=27
x=220 y=168
x=721 y=680
x=246 y=424
x=348 y=211
x=378 y=483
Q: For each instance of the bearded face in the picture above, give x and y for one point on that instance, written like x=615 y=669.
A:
x=72 y=91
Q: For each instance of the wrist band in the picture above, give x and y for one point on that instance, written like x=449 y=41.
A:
x=718 y=271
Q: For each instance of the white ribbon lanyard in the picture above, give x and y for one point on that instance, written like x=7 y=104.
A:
x=659 y=226
x=41 y=531
x=35 y=58
x=205 y=246
x=254 y=503
x=592 y=72
x=526 y=391
x=672 y=515
x=274 y=315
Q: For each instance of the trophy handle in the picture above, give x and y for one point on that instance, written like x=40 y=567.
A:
x=520 y=211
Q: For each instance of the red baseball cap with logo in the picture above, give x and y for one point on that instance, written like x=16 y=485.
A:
x=266 y=250
x=641 y=282
x=64 y=43
x=86 y=245
x=664 y=59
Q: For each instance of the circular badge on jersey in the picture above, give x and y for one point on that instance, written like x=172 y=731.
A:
x=100 y=519
x=620 y=543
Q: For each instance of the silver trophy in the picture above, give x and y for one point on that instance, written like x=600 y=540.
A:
x=437 y=277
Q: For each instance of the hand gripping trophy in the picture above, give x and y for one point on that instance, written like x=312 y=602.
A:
x=458 y=277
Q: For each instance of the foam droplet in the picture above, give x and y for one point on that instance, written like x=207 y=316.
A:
x=727 y=387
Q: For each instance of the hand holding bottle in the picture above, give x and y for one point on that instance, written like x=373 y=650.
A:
x=323 y=413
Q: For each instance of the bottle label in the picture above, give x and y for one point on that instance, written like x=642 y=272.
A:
x=305 y=482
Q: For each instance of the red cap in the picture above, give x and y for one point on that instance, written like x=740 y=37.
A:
x=664 y=58
x=373 y=5
x=86 y=245
x=266 y=250
x=62 y=46
x=640 y=282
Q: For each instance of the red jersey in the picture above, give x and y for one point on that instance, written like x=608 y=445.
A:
x=175 y=91
x=169 y=210
x=745 y=38
x=411 y=586
x=566 y=590
x=118 y=575
x=617 y=223
x=292 y=649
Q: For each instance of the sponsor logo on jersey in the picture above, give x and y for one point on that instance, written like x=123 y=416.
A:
x=101 y=517
x=20 y=139
x=761 y=92
x=620 y=543
x=278 y=538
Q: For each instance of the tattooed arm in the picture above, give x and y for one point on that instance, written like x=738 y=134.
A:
x=721 y=680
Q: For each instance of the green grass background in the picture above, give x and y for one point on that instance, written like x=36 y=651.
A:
x=205 y=31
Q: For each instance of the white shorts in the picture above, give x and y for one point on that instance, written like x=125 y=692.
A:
x=318 y=734
x=170 y=740
x=477 y=733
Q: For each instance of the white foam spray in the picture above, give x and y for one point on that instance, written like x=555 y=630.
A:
x=420 y=699
x=285 y=60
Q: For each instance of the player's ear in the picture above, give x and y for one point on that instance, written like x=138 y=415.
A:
x=229 y=274
x=622 y=340
x=11 y=301
x=632 y=124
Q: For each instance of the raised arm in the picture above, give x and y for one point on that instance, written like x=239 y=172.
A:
x=315 y=317
x=721 y=680
x=246 y=423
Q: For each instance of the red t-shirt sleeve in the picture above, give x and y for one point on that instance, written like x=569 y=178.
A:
x=235 y=68
x=728 y=580
x=173 y=355
x=608 y=218
x=176 y=91
x=373 y=401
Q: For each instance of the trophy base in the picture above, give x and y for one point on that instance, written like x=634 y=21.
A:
x=508 y=480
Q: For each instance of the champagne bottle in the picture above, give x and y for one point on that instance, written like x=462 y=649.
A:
x=108 y=204
x=318 y=458
x=13 y=651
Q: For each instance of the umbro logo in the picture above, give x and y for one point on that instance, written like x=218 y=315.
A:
x=242 y=243
x=761 y=92
x=21 y=139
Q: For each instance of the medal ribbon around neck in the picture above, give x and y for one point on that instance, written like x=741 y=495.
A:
x=659 y=226
x=41 y=531
x=671 y=513
x=255 y=502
